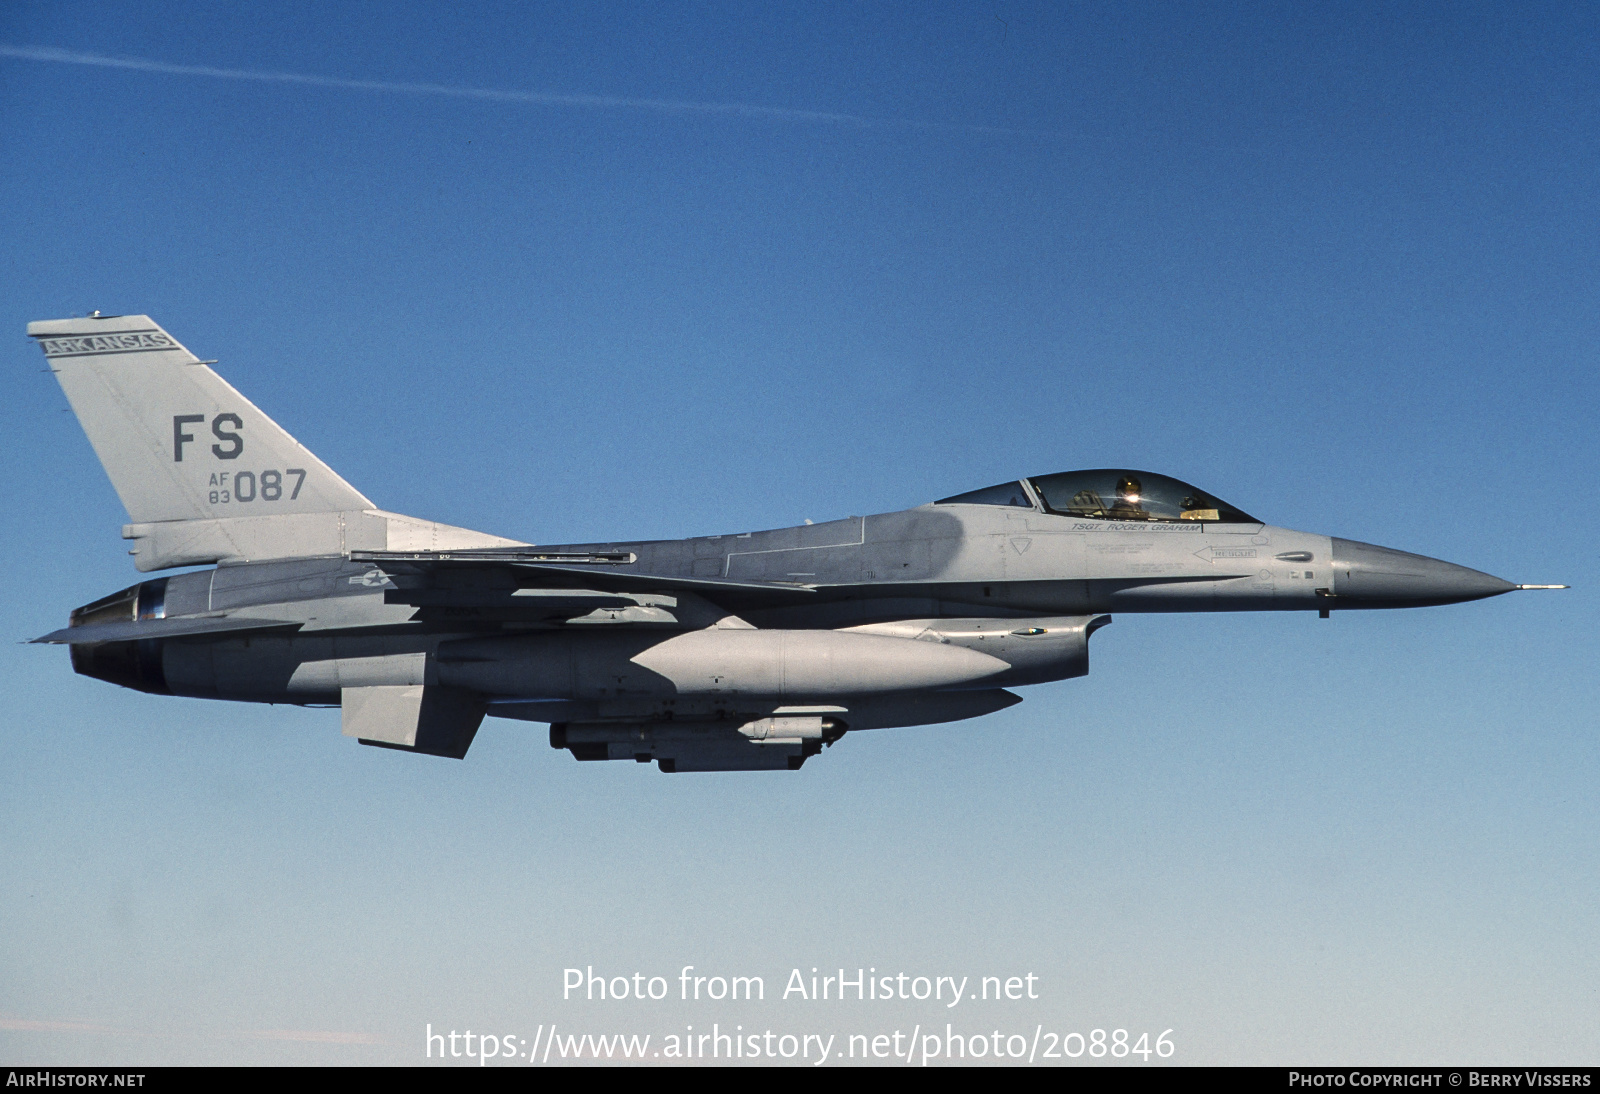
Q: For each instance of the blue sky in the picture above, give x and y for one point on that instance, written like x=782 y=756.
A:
x=1336 y=266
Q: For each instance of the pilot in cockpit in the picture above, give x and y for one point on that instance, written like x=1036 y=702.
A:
x=1127 y=505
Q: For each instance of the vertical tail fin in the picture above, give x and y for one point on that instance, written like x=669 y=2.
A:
x=204 y=474
x=178 y=442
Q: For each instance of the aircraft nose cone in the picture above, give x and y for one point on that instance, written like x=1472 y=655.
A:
x=1365 y=576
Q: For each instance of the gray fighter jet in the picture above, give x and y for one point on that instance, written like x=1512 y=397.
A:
x=722 y=653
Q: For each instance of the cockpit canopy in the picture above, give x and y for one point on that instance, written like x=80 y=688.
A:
x=1109 y=493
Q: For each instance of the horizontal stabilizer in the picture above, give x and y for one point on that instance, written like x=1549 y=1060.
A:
x=136 y=629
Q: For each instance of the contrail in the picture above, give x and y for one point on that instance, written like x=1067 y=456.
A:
x=486 y=94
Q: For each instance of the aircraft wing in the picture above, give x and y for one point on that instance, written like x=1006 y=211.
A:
x=658 y=582
x=588 y=571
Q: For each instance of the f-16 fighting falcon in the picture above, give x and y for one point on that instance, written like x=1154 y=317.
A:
x=723 y=653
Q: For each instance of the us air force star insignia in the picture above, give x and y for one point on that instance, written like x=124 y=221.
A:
x=372 y=579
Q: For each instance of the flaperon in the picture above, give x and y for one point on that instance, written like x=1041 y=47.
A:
x=722 y=653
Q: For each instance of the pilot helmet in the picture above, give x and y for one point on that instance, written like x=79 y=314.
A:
x=1129 y=487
